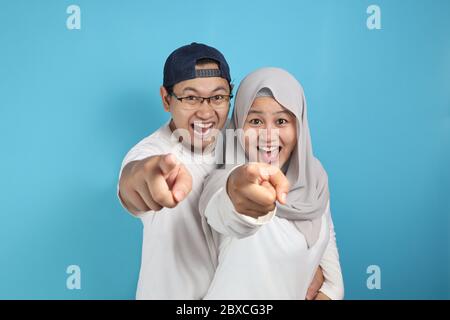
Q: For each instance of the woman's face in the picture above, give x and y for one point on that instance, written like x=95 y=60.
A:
x=270 y=132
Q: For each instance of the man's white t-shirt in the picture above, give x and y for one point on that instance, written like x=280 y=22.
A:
x=175 y=259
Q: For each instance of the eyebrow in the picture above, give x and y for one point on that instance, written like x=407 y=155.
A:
x=277 y=112
x=196 y=91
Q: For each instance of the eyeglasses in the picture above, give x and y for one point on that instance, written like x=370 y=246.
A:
x=218 y=100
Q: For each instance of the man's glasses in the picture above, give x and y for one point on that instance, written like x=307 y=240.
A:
x=218 y=100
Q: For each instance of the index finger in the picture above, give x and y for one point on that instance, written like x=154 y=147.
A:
x=281 y=185
x=167 y=163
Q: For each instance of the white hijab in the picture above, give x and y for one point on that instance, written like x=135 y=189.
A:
x=308 y=195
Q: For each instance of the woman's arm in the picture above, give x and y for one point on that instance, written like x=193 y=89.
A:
x=333 y=286
x=223 y=217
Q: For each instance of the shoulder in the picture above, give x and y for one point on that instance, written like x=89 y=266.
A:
x=160 y=139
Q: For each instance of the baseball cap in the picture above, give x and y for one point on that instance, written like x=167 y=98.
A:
x=180 y=65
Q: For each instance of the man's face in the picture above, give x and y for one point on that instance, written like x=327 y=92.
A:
x=202 y=120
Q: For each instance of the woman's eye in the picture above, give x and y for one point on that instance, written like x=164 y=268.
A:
x=255 y=122
x=218 y=98
x=281 y=121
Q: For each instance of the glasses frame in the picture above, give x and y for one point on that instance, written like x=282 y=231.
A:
x=201 y=99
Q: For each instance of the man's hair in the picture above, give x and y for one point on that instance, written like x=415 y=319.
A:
x=201 y=62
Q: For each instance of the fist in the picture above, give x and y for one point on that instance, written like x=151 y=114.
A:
x=254 y=188
x=154 y=183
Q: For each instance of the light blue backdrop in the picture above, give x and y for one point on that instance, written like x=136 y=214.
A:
x=73 y=102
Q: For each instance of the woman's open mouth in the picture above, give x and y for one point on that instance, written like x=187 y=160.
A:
x=269 y=154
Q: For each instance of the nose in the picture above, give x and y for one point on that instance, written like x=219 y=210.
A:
x=205 y=111
x=269 y=135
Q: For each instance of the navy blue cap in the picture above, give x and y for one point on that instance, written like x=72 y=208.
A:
x=180 y=65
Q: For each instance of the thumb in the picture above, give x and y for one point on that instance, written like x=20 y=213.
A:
x=182 y=185
x=281 y=185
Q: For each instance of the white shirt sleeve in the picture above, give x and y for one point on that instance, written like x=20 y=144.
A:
x=223 y=217
x=333 y=285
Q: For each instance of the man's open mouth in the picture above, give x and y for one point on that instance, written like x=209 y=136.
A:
x=202 y=129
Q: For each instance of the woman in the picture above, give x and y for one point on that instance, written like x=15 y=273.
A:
x=263 y=250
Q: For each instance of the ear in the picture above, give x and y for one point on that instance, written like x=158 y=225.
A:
x=165 y=98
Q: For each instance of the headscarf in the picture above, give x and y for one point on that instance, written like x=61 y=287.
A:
x=308 y=196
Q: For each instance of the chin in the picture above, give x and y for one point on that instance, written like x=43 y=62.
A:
x=200 y=144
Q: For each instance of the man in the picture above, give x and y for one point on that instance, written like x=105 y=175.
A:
x=161 y=184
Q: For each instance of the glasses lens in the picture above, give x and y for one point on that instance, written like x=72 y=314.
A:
x=191 y=100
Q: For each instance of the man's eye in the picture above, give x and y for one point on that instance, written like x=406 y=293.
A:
x=191 y=98
x=218 y=98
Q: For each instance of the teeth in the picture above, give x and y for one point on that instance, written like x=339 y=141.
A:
x=202 y=129
x=271 y=149
x=203 y=125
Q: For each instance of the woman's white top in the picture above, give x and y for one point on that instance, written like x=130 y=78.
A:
x=268 y=258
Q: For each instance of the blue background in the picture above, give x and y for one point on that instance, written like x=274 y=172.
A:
x=73 y=102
